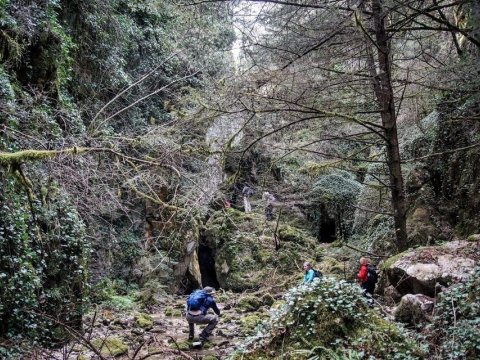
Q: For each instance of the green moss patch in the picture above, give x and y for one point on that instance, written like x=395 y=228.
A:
x=249 y=303
x=249 y=323
x=110 y=346
x=144 y=321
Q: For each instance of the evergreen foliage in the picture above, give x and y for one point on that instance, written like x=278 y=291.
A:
x=43 y=265
x=457 y=319
x=337 y=192
x=327 y=319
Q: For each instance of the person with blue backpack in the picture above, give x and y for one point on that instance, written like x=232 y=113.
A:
x=198 y=304
x=310 y=273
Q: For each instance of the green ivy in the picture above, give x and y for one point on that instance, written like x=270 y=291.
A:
x=43 y=265
x=457 y=320
x=327 y=319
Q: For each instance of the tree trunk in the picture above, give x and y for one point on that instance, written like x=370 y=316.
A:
x=384 y=94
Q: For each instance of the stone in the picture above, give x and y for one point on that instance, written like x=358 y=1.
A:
x=145 y=321
x=391 y=295
x=110 y=346
x=474 y=237
x=138 y=331
x=414 y=309
x=419 y=271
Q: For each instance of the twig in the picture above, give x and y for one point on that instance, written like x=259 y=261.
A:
x=440 y=153
x=77 y=335
x=132 y=85
x=137 y=350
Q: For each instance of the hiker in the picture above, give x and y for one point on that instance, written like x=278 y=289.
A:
x=269 y=198
x=198 y=304
x=227 y=204
x=310 y=273
x=247 y=192
x=367 y=277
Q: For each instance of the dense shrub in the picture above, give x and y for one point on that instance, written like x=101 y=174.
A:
x=328 y=319
x=43 y=263
x=457 y=320
x=334 y=195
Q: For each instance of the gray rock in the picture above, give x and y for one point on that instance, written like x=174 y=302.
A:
x=138 y=331
x=414 y=309
x=419 y=271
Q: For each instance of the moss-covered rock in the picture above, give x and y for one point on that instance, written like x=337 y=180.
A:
x=249 y=303
x=267 y=299
x=474 y=237
x=144 y=321
x=168 y=311
x=420 y=270
x=420 y=228
x=278 y=304
x=110 y=346
x=182 y=345
x=249 y=323
x=330 y=265
x=413 y=309
x=245 y=251
x=289 y=233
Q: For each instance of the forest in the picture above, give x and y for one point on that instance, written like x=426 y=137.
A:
x=312 y=165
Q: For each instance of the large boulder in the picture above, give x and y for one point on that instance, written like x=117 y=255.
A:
x=422 y=270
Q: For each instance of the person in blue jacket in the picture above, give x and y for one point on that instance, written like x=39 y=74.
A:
x=309 y=273
x=200 y=315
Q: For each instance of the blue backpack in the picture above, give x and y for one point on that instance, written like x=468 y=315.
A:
x=196 y=300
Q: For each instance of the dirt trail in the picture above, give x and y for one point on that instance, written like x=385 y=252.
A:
x=168 y=334
x=174 y=335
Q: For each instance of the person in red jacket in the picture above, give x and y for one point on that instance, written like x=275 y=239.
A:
x=367 y=283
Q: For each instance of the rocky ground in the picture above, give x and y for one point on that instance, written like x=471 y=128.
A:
x=161 y=332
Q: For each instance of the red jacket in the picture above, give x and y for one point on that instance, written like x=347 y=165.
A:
x=363 y=273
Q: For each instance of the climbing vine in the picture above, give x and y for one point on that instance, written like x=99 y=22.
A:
x=43 y=264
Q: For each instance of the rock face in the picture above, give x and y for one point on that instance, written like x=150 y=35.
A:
x=189 y=266
x=244 y=247
x=418 y=271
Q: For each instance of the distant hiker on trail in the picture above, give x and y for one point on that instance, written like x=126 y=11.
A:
x=367 y=277
x=310 y=273
x=227 y=204
x=198 y=304
x=247 y=192
x=269 y=199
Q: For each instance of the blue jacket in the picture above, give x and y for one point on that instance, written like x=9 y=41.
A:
x=308 y=277
x=209 y=303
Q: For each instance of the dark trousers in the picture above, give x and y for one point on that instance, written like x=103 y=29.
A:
x=368 y=287
x=368 y=290
x=269 y=212
x=209 y=319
